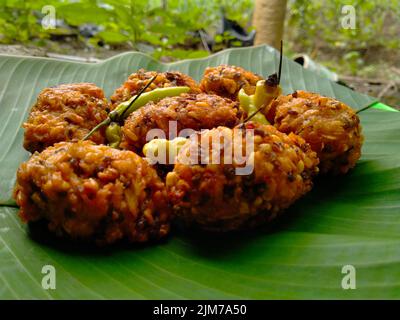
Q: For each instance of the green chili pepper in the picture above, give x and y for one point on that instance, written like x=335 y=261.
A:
x=260 y=94
x=247 y=103
x=265 y=93
x=122 y=111
x=257 y=116
x=127 y=107
x=113 y=134
x=245 y=100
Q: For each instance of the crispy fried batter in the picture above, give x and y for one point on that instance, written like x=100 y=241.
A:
x=93 y=193
x=136 y=81
x=226 y=81
x=331 y=128
x=215 y=197
x=190 y=111
x=65 y=113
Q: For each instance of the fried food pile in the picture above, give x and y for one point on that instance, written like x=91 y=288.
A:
x=226 y=81
x=95 y=192
x=136 y=81
x=65 y=113
x=331 y=128
x=188 y=111
x=215 y=197
x=101 y=171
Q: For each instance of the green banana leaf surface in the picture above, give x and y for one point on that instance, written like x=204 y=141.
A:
x=350 y=220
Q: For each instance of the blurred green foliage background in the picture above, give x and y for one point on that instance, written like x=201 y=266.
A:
x=163 y=28
x=317 y=26
x=169 y=29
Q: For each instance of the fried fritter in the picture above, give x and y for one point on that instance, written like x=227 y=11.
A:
x=214 y=197
x=331 y=128
x=65 y=113
x=136 y=81
x=226 y=81
x=93 y=193
x=190 y=111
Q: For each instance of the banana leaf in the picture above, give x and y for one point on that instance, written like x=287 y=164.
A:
x=351 y=220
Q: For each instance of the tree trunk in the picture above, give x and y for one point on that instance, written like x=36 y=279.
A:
x=268 y=20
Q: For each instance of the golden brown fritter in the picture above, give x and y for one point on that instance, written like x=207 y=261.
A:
x=331 y=128
x=65 y=113
x=93 y=193
x=136 y=81
x=226 y=81
x=190 y=111
x=215 y=197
